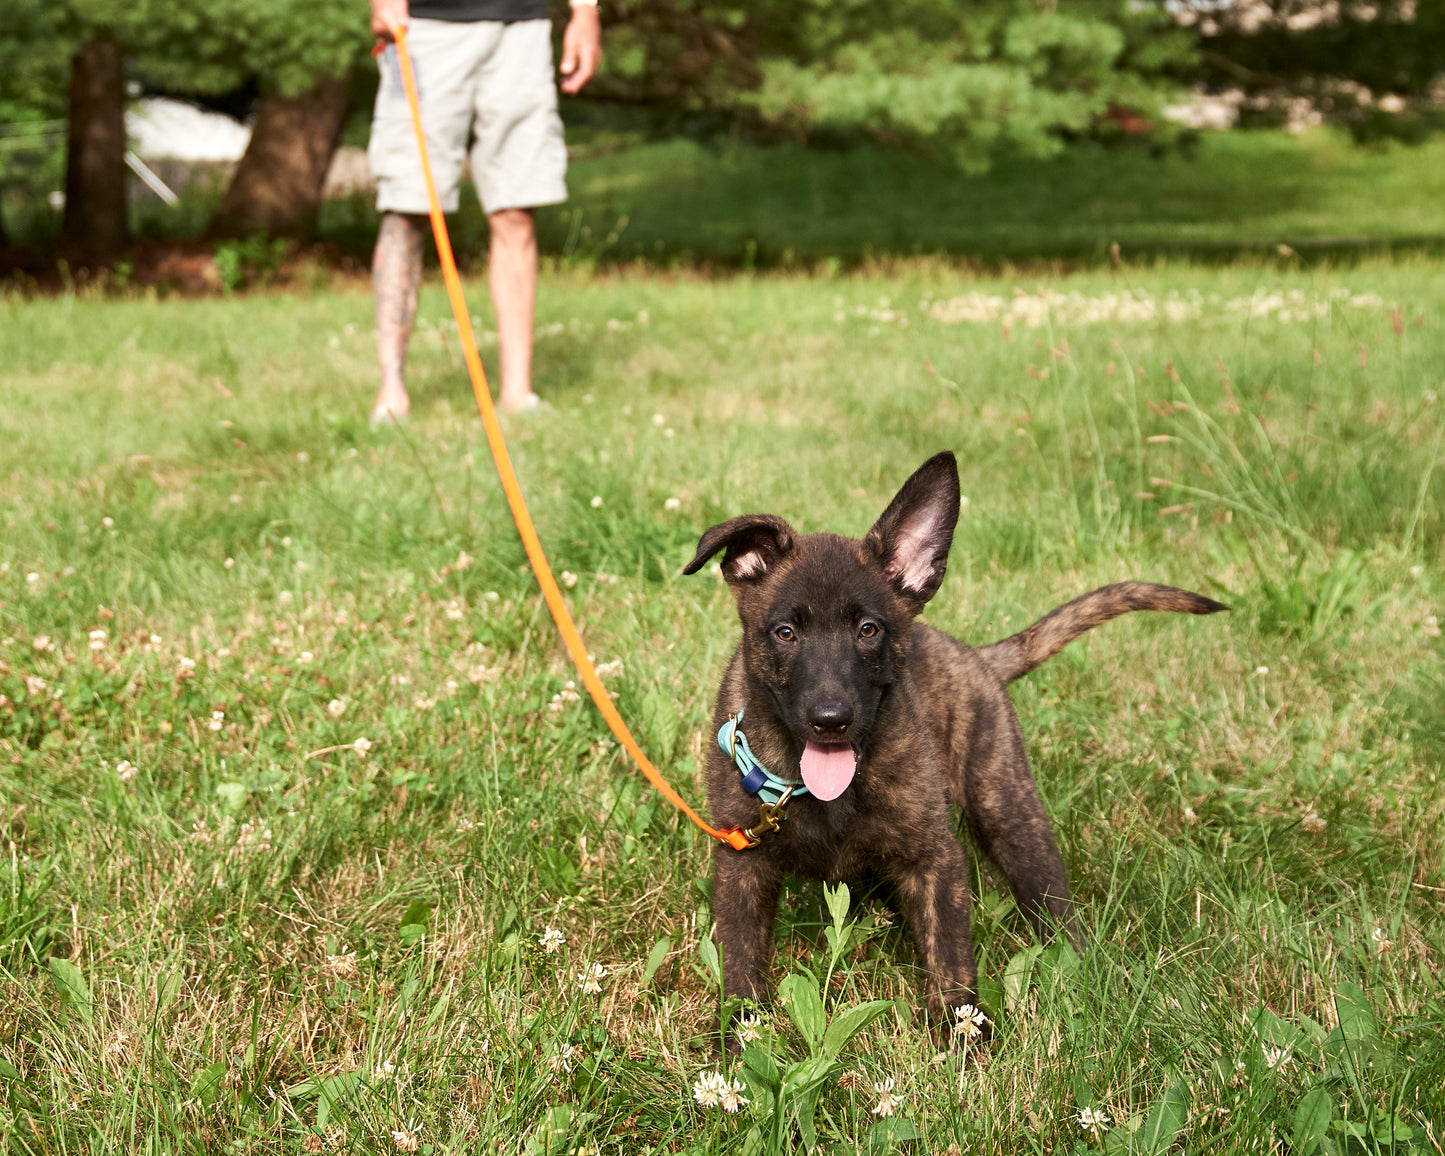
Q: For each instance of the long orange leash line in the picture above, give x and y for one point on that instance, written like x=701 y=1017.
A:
x=530 y=542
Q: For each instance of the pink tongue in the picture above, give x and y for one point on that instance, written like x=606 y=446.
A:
x=827 y=771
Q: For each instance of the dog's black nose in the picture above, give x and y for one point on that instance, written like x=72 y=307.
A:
x=831 y=718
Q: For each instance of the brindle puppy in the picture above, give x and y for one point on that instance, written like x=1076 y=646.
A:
x=886 y=721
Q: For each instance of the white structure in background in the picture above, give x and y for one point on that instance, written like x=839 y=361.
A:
x=171 y=130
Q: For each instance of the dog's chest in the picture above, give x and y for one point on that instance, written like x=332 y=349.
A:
x=867 y=829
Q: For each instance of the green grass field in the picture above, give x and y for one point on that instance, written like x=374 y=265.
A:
x=226 y=924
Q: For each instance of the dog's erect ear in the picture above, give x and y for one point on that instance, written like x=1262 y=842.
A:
x=755 y=544
x=912 y=538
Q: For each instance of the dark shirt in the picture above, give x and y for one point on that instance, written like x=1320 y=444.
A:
x=465 y=11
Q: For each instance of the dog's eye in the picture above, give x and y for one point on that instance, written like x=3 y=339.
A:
x=868 y=630
x=784 y=634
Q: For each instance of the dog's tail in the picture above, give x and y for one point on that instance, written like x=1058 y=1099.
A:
x=1015 y=656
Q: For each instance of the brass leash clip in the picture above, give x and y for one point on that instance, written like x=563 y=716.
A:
x=769 y=816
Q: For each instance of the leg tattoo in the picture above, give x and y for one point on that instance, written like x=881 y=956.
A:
x=396 y=282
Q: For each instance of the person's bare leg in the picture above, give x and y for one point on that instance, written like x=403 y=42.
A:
x=396 y=282
x=512 y=273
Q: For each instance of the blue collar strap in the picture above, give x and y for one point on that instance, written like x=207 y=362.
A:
x=756 y=779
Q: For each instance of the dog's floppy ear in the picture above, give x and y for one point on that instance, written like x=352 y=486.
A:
x=755 y=544
x=912 y=538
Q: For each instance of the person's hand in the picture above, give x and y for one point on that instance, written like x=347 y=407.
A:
x=387 y=16
x=581 y=47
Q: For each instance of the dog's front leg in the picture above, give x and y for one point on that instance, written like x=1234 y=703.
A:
x=745 y=900
x=933 y=893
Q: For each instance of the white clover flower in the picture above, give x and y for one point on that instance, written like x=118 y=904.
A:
x=385 y=1070
x=32 y=578
x=1312 y=823
x=659 y=420
x=569 y=579
x=562 y=1059
x=463 y=560
x=336 y=707
x=552 y=939
x=126 y=770
x=672 y=504
x=43 y=642
x=343 y=965
x=970 y=1021
x=749 y=1029
x=589 y=979
x=305 y=656
x=217 y=718
x=224 y=652
x=887 y=1101
x=597 y=501
x=187 y=665
x=228 y=563
x=1261 y=670
x=362 y=747
x=406 y=1139
x=1094 y=1121
x=1276 y=1058
x=98 y=639
x=34 y=685
x=1381 y=940
x=709 y=1089
x=107 y=521
x=1417 y=571
x=465 y=825
x=732 y=1096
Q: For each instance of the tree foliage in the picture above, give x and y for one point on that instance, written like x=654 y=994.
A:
x=961 y=79
x=1343 y=57
x=185 y=47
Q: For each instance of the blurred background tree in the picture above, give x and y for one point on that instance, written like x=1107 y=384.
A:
x=75 y=58
x=1375 y=68
x=958 y=80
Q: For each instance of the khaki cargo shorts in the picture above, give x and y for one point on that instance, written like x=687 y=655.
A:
x=483 y=81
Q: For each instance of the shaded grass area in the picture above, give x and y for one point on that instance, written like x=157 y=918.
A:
x=733 y=203
x=222 y=923
x=738 y=204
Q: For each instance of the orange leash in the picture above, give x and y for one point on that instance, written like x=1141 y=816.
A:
x=530 y=542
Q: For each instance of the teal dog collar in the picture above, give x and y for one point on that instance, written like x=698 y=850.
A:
x=756 y=778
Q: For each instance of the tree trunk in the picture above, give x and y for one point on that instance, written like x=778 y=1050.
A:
x=95 y=227
x=277 y=186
